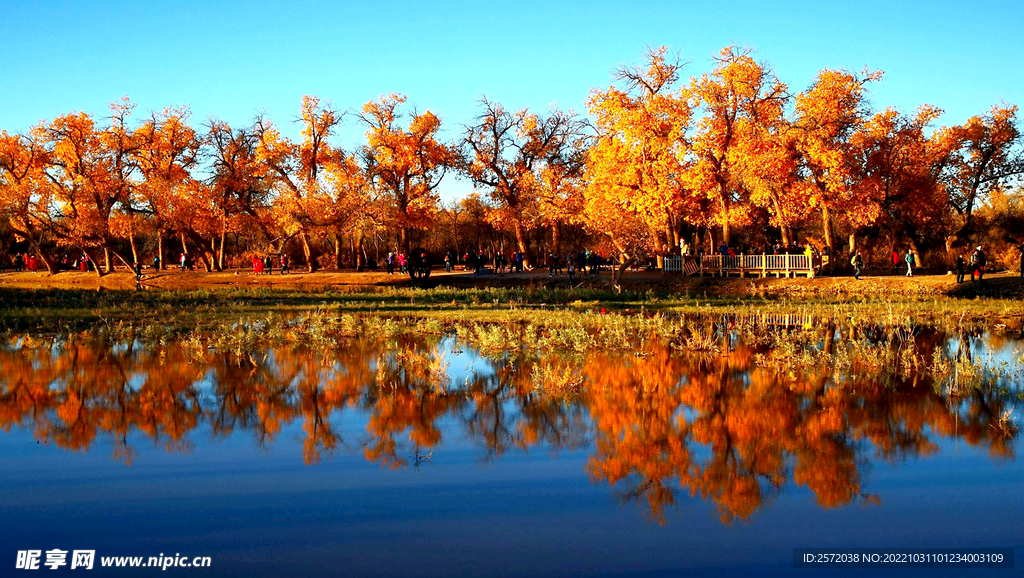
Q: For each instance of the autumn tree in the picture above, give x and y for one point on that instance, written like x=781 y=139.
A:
x=984 y=155
x=636 y=191
x=828 y=115
x=239 y=190
x=320 y=188
x=26 y=197
x=86 y=173
x=899 y=167
x=513 y=155
x=736 y=98
x=405 y=164
x=167 y=152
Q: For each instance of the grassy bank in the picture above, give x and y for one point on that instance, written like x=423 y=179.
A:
x=63 y=310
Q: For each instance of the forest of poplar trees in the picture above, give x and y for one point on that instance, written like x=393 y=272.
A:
x=732 y=155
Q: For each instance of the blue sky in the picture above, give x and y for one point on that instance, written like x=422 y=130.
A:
x=232 y=59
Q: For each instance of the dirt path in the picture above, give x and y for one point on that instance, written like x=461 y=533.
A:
x=1004 y=285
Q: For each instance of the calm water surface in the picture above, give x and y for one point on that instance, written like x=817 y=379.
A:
x=420 y=458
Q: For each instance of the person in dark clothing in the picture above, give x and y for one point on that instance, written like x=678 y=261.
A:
x=960 y=264
x=138 y=275
x=284 y=264
x=978 y=264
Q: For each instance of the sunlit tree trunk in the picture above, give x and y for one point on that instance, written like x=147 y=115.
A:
x=135 y=250
x=94 y=259
x=917 y=253
x=160 y=249
x=220 y=251
x=360 y=254
x=826 y=227
x=521 y=243
x=49 y=262
x=337 y=251
x=307 y=251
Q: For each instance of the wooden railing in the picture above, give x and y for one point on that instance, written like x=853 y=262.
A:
x=763 y=265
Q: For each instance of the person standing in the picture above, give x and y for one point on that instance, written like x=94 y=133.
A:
x=138 y=275
x=960 y=268
x=895 y=261
x=977 y=264
x=284 y=264
x=448 y=262
x=269 y=264
x=182 y=260
x=858 y=263
x=156 y=263
x=910 y=262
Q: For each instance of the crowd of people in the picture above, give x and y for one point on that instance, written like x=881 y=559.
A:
x=572 y=264
x=33 y=263
x=264 y=264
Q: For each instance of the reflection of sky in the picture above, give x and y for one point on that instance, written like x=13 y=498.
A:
x=261 y=510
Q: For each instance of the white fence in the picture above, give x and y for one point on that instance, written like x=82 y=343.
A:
x=763 y=265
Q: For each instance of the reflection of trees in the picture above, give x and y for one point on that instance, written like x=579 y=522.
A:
x=70 y=394
x=727 y=431
x=662 y=426
x=506 y=414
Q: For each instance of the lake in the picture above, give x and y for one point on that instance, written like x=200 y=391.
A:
x=429 y=456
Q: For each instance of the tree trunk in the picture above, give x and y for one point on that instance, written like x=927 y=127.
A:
x=135 y=250
x=726 y=232
x=853 y=242
x=337 y=251
x=307 y=251
x=184 y=245
x=360 y=251
x=95 y=262
x=220 y=251
x=917 y=253
x=213 y=254
x=207 y=259
x=556 y=237
x=521 y=243
x=786 y=237
x=48 y=262
x=403 y=240
x=826 y=227
x=108 y=265
x=626 y=259
x=160 y=249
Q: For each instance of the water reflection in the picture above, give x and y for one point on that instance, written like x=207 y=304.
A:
x=726 y=427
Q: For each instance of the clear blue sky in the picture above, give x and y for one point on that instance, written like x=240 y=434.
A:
x=233 y=59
